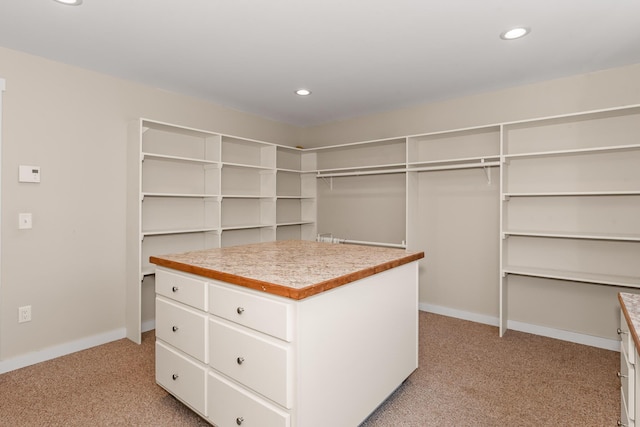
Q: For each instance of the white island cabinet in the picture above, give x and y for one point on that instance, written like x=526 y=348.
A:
x=629 y=373
x=286 y=333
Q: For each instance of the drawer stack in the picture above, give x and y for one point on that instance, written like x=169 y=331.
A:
x=253 y=371
x=226 y=354
x=182 y=351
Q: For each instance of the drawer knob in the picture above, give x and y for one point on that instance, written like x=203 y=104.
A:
x=620 y=375
x=621 y=332
x=240 y=310
x=175 y=329
x=239 y=420
x=174 y=376
x=240 y=360
x=175 y=289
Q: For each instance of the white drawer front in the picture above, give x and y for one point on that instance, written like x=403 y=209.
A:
x=627 y=383
x=183 y=328
x=626 y=339
x=183 y=288
x=231 y=406
x=253 y=311
x=262 y=364
x=183 y=378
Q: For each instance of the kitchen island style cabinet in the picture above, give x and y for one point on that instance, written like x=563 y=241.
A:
x=286 y=333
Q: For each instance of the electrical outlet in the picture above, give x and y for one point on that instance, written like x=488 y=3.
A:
x=24 y=314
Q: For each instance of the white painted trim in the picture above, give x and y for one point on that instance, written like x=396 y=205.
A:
x=148 y=325
x=61 y=350
x=2 y=85
x=590 y=340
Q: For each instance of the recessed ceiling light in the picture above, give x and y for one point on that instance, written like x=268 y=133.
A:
x=515 y=33
x=70 y=2
x=303 y=92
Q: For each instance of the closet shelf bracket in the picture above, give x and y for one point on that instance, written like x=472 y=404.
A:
x=487 y=172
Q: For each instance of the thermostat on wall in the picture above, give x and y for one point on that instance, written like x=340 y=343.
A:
x=29 y=174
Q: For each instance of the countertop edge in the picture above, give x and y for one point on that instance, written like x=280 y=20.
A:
x=627 y=316
x=281 y=290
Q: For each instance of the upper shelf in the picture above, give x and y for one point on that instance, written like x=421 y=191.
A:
x=575 y=151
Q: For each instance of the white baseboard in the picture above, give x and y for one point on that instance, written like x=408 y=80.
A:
x=60 y=350
x=148 y=325
x=68 y=348
x=590 y=340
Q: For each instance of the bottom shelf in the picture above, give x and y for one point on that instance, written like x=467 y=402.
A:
x=575 y=276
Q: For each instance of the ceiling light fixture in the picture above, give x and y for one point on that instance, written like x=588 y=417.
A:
x=515 y=33
x=70 y=2
x=303 y=92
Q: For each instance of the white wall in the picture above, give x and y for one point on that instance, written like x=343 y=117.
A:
x=73 y=124
x=609 y=88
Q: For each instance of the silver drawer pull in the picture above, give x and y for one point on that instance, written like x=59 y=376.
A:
x=174 y=376
x=620 y=375
x=175 y=329
x=619 y=424
x=175 y=289
x=621 y=332
x=240 y=310
x=240 y=360
x=239 y=420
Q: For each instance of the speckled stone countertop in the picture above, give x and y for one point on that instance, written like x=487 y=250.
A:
x=294 y=269
x=630 y=304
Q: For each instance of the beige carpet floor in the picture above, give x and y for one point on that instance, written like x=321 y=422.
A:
x=468 y=376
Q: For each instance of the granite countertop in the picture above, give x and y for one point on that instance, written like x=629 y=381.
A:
x=294 y=269
x=630 y=304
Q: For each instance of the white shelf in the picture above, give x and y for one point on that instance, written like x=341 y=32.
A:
x=155 y=156
x=286 y=224
x=295 y=197
x=198 y=196
x=248 y=166
x=454 y=161
x=246 y=196
x=573 y=235
x=179 y=231
x=245 y=226
x=571 y=193
x=575 y=276
x=572 y=152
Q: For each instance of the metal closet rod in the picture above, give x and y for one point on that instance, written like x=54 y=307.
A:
x=480 y=164
x=330 y=239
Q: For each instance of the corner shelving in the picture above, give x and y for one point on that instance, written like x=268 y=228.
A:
x=191 y=189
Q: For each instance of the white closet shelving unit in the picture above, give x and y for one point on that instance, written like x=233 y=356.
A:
x=570 y=200
x=295 y=194
x=192 y=189
x=569 y=190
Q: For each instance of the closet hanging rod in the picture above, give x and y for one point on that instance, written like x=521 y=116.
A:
x=328 y=238
x=458 y=166
x=358 y=173
x=365 y=243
